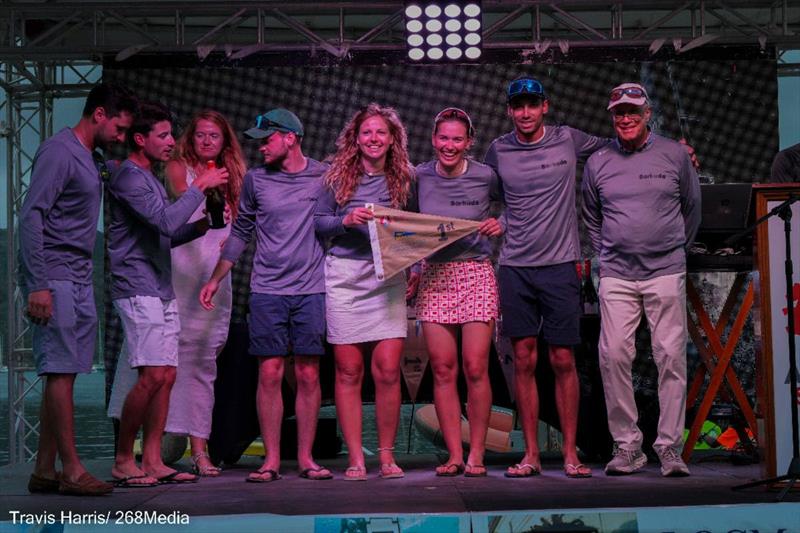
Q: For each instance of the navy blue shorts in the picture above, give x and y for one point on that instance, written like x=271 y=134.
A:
x=287 y=324
x=541 y=300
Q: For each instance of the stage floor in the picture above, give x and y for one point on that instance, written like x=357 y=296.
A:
x=419 y=492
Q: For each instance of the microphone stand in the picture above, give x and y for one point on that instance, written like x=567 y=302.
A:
x=792 y=475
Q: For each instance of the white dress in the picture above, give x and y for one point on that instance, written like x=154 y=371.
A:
x=203 y=333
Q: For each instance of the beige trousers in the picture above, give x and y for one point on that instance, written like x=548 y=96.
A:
x=663 y=301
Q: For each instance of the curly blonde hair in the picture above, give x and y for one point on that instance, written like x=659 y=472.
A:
x=230 y=156
x=346 y=168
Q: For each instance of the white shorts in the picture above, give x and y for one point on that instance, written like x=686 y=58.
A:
x=151 y=328
x=151 y=339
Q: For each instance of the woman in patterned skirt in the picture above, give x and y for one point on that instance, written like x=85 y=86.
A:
x=458 y=289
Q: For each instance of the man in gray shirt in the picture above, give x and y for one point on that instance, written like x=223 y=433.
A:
x=539 y=287
x=144 y=226
x=58 y=225
x=287 y=300
x=641 y=205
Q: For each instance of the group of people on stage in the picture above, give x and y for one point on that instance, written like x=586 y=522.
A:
x=313 y=278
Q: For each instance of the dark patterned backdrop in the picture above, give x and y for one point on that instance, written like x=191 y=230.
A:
x=727 y=109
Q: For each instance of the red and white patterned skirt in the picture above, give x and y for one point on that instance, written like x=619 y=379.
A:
x=457 y=292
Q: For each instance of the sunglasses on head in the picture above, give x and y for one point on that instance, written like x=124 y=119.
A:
x=525 y=86
x=457 y=114
x=636 y=92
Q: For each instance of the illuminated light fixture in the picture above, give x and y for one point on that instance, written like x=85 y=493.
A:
x=446 y=30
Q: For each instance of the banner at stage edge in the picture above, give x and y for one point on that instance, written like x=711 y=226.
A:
x=401 y=238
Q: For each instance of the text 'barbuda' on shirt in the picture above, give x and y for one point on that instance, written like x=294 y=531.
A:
x=556 y=164
x=653 y=176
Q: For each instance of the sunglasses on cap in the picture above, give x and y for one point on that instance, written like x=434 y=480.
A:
x=525 y=86
x=451 y=113
x=635 y=92
x=263 y=123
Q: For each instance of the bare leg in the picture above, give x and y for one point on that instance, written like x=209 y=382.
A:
x=562 y=359
x=270 y=412
x=136 y=408
x=154 y=425
x=527 y=395
x=349 y=376
x=307 y=402
x=475 y=342
x=57 y=429
x=442 y=346
x=386 y=373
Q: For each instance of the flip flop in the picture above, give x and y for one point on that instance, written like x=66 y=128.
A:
x=273 y=476
x=306 y=474
x=356 y=473
x=125 y=482
x=470 y=471
x=446 y=470
x=391 y=471
x=528 y=470
x=172 y=478
x=578 y=471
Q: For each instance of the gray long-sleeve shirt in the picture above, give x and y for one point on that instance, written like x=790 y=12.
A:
x=279 y=207
x=58 y=221
x=642 y=209
x=144 y=227
x=466 y=196
x=353 y=243
x=538 y=186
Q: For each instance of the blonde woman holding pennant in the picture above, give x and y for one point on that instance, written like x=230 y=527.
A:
x=365 y=316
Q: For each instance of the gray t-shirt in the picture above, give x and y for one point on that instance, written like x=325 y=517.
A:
x=538 y=186
x=641 y=209
x=279 y=208
x=58 y=220
x=353 y=243
x=144 y=227
x=466 y=196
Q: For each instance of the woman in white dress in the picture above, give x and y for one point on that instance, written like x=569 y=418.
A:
x=208 y=138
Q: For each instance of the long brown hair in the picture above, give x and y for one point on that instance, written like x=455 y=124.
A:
x=230 y=156
x=346 y=168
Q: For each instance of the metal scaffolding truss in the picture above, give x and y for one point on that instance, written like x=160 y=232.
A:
x=52 y=48
x=33 y=29
x=26 y=120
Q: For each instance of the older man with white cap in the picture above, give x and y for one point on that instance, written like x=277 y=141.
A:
x=641 y=206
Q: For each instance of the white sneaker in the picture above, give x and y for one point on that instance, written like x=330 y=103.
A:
x=671 y=463
x=625 y=462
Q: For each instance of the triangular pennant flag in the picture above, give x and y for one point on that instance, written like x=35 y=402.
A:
x=505 y=352
x=414 y=359
x=401 y=238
